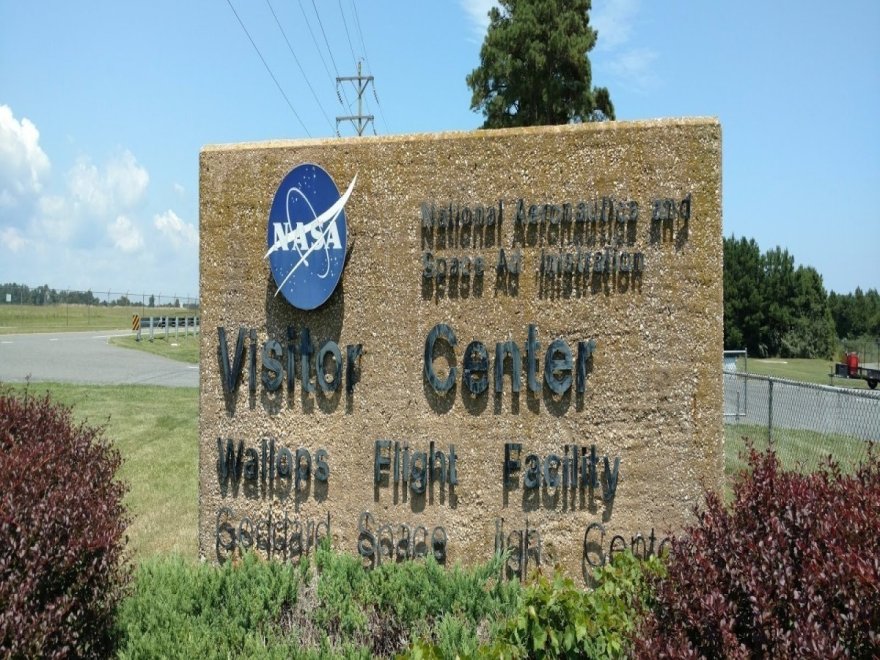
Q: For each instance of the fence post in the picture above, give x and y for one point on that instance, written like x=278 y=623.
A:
x=770 y=411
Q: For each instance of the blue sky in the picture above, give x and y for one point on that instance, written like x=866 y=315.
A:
x=104 y=106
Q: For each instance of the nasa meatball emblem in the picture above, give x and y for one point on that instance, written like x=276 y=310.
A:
x=307 y=236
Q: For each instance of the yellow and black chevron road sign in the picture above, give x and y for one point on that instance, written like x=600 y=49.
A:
x=135 y=322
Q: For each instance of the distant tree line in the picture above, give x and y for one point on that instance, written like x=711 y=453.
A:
x=856 y=314
x=22 y=294
x=772 y=308
x=43 y=295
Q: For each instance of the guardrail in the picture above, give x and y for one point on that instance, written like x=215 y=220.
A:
x=163 y=323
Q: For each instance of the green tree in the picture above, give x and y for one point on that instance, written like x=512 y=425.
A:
x=842 y=312
x=856 y=314
x=779 y=289
x=743 y=290
x=811 y=331
x=40 y=295
x=872 y=300
x=772 y=308
x=534 y=68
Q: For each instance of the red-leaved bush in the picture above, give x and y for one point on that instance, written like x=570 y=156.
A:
x=62 y=526
x=790 y=570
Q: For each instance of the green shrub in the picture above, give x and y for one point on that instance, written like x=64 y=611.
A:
x=456 y=636
x=334 y=608
x=390 y=607
x=557 y=619
x=180 y=609
x=62 y=526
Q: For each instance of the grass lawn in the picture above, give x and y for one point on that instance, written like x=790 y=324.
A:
x=809 y=371
x=156 y=431
x=799 y=450
x=183 y=349
x=18 y=319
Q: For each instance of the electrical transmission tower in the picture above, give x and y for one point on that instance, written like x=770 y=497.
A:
x=360 y=120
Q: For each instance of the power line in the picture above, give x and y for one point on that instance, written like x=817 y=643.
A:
x=296 y=59
x=370 y=111
x=345 y=25
x=360 y=120
x=366 y=104
x=315 y=40
x=330 y=51
x=381 y=112
x=326 y=41
x=265 y=64
x=357 y=21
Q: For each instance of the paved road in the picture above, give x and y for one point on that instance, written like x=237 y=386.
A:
x=88 y=357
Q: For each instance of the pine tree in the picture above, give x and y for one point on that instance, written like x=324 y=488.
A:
x=534 y=68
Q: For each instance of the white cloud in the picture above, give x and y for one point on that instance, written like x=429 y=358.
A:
x=636 y=68
x=178 y=188
x=54 y=219
x=178 y=232
x=12 y=239
x=125 y=235
x=631 y=67
x=118 y=186
x=92 y=228
x=95 y=199
x=613 y=19
x=478 y=14
x=23 y=163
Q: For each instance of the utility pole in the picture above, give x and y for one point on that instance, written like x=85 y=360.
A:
x=360 y=120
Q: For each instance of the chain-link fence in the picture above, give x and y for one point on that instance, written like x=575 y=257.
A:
x=806 y=423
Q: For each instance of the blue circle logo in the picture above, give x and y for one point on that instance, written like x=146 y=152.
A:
x=307 y=236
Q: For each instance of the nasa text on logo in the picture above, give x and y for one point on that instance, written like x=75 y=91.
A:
x=307 y=236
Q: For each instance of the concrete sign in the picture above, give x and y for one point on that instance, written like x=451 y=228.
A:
x=486 y=340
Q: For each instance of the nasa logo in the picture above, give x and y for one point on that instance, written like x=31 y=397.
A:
x=307 y=236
